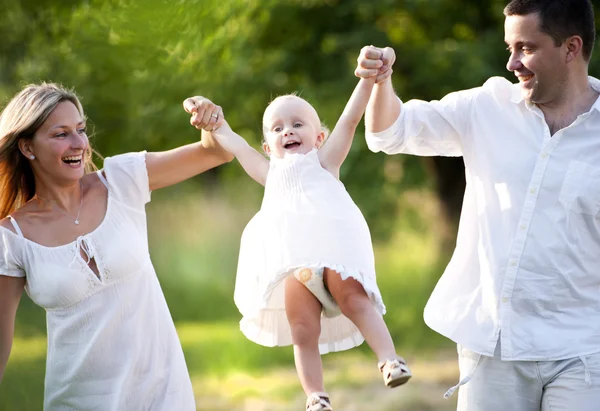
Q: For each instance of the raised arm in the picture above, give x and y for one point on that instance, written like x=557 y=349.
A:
x=383 y=108
x=255 y=164
x=173 y=166
x=11 y=289
x=335 y=150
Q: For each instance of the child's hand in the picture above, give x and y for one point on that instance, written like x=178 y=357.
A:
x=374 y=61
x=205 y=114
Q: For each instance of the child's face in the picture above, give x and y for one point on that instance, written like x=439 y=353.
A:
x=291 y=125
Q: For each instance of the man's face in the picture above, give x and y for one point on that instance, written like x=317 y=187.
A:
x=537 y=62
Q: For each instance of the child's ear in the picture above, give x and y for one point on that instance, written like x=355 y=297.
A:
x=266 y=148
x=320 y=139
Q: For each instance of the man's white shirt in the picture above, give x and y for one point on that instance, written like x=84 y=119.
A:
x=526 y=267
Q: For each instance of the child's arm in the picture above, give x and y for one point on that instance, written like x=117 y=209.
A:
x=337 y=146
x=255 y=164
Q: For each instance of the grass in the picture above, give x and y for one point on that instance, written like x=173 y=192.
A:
x=194 y=243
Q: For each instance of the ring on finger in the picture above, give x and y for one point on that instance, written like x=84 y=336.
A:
x=214 y=115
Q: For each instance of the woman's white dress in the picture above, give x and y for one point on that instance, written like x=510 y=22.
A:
x=112 y=344
x=307 y=219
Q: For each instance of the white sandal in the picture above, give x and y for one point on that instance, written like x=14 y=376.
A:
x=395 y=372
x=318 y=401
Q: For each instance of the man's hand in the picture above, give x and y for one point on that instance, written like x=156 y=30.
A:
x=206 y=115
x=374 y=61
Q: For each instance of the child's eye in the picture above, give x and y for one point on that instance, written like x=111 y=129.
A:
x=277 y=129
x=298 y=125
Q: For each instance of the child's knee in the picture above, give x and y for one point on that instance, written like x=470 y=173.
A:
x=305 y=332
x=353 y=302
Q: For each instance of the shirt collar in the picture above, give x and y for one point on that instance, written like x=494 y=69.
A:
x=517 y=97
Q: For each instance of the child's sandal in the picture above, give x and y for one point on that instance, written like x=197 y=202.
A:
x=395 y=372
x=318 y=401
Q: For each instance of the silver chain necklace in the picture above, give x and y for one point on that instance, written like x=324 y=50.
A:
x=76 y=220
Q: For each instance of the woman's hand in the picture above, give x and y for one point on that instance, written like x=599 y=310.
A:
x=206 y=115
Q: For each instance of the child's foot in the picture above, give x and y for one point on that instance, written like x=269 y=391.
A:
x=318 y=401
x=395 y=372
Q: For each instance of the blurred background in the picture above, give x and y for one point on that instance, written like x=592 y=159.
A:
x=134 y=62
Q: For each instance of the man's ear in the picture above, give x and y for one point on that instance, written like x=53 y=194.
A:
x=320 y=139
x=574 y=45
x=266 y=148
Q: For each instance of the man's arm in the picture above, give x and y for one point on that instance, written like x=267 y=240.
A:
x=384 y=107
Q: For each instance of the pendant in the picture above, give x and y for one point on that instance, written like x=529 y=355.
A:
x=76 y=222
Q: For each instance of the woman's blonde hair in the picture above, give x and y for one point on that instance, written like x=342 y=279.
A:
x=20 y=119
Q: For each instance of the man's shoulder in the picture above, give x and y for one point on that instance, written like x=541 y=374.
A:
x=501 y=89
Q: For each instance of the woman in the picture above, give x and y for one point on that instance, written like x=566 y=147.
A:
x=76 y=241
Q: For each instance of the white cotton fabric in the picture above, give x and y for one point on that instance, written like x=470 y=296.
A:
x=307 y=219
x=112 y=344
x=527 y=256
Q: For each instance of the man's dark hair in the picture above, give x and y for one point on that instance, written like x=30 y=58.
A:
x=560 y=19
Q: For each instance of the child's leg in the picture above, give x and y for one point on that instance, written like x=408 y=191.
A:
x=356 y=305
x=304 y=315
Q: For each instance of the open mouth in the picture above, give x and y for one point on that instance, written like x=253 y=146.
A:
x=525 y=79
x=73 y=160
x=291 y=145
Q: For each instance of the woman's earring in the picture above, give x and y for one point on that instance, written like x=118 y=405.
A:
x=32 y=157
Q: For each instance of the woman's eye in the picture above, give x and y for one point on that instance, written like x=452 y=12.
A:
x=61 y=135
x=81 y=131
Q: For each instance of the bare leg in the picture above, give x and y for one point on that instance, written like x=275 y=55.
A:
x=356 y=305
x=304 y=315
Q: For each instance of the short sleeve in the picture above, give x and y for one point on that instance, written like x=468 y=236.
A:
x=8 y=264
x=127 y=178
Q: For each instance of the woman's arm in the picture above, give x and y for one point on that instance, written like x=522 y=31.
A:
x=255 y=164
x=11 y=289
x=171 y=167
x=335 y=150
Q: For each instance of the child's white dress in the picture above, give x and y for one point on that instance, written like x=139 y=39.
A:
x=307 y=219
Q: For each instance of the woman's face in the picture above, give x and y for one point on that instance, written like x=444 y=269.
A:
x=59 y=145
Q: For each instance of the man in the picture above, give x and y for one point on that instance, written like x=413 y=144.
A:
x=521 y=294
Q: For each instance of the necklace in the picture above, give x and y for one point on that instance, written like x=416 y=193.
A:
x=76 y=220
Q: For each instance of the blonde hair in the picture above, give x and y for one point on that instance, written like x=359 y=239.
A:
x=19 y=120
x=294 y=94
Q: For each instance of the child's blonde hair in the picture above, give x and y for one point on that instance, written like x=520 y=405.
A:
x=294 y=94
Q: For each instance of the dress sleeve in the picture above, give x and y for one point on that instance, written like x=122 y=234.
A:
x=8 y=264
x=127 y=178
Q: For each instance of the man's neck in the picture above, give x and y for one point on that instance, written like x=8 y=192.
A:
x=578 y=98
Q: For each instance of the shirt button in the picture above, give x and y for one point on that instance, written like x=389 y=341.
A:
x=532 y=190
x=522 y=227
x=504 y=300
x=513 y=263
x=544 y=155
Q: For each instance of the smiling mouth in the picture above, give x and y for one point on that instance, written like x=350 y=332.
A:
x=291 y=144
x=72 y=160
x=524 y=79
